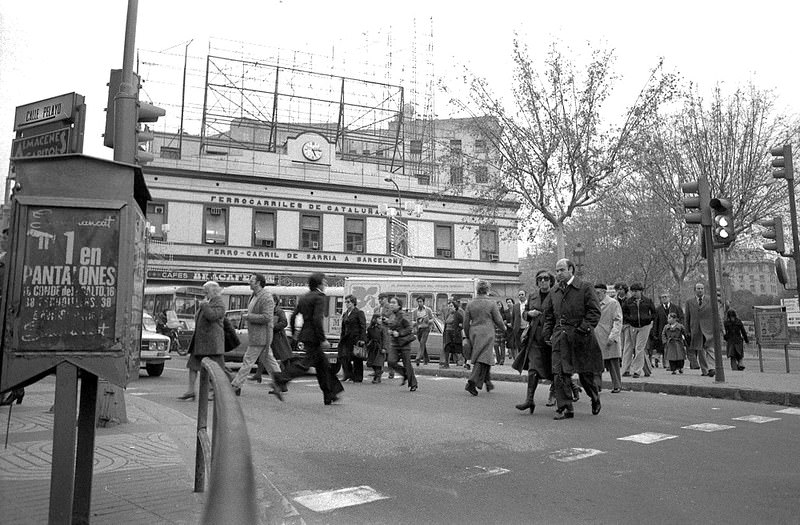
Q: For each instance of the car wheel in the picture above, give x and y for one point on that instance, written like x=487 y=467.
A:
x=154 y=369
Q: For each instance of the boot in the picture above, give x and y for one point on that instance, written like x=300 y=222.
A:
x=533 y=381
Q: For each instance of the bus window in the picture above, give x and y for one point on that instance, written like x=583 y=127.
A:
x=441 y=305
x=426 y=297
x=238 y=302
x=462 y=299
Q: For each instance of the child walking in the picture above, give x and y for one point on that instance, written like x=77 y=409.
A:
x=674 y=338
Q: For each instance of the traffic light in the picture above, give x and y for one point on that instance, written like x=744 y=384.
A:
x=782 y=161
x=776 y=234
x=696 y=208
x=785 y=271
x=141 y=112
x=722 y=222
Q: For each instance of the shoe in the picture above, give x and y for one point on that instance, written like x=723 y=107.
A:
x=187 y=395
x=647 y=375
x=673 y=372
x=489 y=386
x=413 y=388
x=391 y=375
x=403 y=382
x=564 y=415
x=257 y=379
x=741 y=367
x=332 y=399
x=635 y=376
x=376 y=380
x=615 y=390
x=551 y=402
x=576 y=393
x=470 y=387
x=278 y=388
x=466 y=365
x=626 y=374
x=680 y=370
x=237 y=391
x=656 y=363
x=712 y=373
x=417 y=363
x=596 y=406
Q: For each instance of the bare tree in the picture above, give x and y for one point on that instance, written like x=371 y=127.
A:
x=553 y=152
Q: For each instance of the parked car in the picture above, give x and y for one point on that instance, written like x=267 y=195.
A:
x=154 y=348
x=239 y=323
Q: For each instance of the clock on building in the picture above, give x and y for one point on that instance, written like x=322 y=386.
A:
x=312 y=150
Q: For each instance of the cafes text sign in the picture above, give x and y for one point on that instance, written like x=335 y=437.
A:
x=69 y=280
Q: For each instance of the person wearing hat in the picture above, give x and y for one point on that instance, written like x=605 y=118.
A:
x=638 y=313
x=535 y=356
x=608 y=332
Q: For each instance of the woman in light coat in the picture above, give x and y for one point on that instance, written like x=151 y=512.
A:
x=481 y=319
x=607 y=333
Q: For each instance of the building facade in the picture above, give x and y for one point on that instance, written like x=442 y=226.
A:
x=754 y=273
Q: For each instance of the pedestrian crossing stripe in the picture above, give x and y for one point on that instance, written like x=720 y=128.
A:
x=573 y=454
x=708 y=427
x=647 y=438
x=325 y=501
x=756 y=419
x=793 y=411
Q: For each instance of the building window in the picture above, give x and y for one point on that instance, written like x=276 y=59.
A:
x=480 y=146
x=398 y=237
x=156 y=214
x=311 y=232
x=423 y=179
x=456 y=175
x=354 y=235
x=481 y=174
x=443 y=241
x=264 y=229
x=488 y=241
x=416 y=147
x=216 y=229
x=170 y=153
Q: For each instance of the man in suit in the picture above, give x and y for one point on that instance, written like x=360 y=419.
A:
x=260 y=311
x=662 y=313
x=699 y=323
x=570 y=314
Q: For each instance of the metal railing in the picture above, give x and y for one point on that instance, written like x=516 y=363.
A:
x=225 y=457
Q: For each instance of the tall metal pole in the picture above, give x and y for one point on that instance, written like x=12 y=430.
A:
x=793 y=213
x=400 y=213
x=125 y=101
x=719 y=373
x=183 y=97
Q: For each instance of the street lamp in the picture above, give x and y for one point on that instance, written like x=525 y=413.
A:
x=399 y=197
x=578 y=255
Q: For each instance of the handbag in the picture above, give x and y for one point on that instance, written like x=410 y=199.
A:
x=231 y=339
x=360 y=350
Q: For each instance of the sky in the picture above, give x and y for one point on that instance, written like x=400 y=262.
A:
x=52 y=47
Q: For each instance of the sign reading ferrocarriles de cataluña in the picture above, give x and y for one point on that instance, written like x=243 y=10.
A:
x=70 y=274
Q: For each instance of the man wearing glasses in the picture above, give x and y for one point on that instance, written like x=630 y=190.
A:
x=662 y=312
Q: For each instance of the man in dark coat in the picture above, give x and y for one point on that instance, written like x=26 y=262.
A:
x=311 y=306
x=570 y=315
x=700 y=325
x=662 y=313
x=536 y=356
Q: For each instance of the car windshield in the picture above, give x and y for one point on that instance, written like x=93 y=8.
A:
x=147 y=322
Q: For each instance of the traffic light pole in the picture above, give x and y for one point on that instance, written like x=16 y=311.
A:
x=719 y=373
x=795 y=238
x=125 y=100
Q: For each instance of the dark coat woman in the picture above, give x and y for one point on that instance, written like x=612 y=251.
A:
x=481 y=321
x=453 y=334
x=354 y=330
x=311 y=306
x=208 y=339
x=376 y=347
x=735 y=336
x=401 y=332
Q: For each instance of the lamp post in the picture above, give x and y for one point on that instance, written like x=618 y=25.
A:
x=400 y=214
x=183 y=97
x=578 y=255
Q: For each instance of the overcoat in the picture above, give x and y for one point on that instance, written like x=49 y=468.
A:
x=572 y=312
x=662 y=312
x=699 y=323
x=609 y=328
x=311 y=306
x=481 y=319
x=453 y=331
x=538 y=354
x=209 y=337
x=281 y=348
x=354 y=329
x=376 y=354
x=735 y=336
x=260 y=310
x=674 y=338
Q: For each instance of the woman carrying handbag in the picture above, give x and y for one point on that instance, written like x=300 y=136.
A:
x=402 y=335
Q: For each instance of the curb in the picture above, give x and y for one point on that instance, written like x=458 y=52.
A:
x=791 y=399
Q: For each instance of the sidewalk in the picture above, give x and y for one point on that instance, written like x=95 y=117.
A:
x=143 y=473
x=773 y=386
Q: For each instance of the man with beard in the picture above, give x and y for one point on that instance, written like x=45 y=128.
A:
x=536 y=354
x=570 y=314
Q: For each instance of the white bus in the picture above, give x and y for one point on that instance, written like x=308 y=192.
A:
x=435 y=291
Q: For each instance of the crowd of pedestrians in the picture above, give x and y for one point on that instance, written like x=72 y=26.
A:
x=566 y=327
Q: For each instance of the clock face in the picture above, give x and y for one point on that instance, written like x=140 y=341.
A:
x=312 y=150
